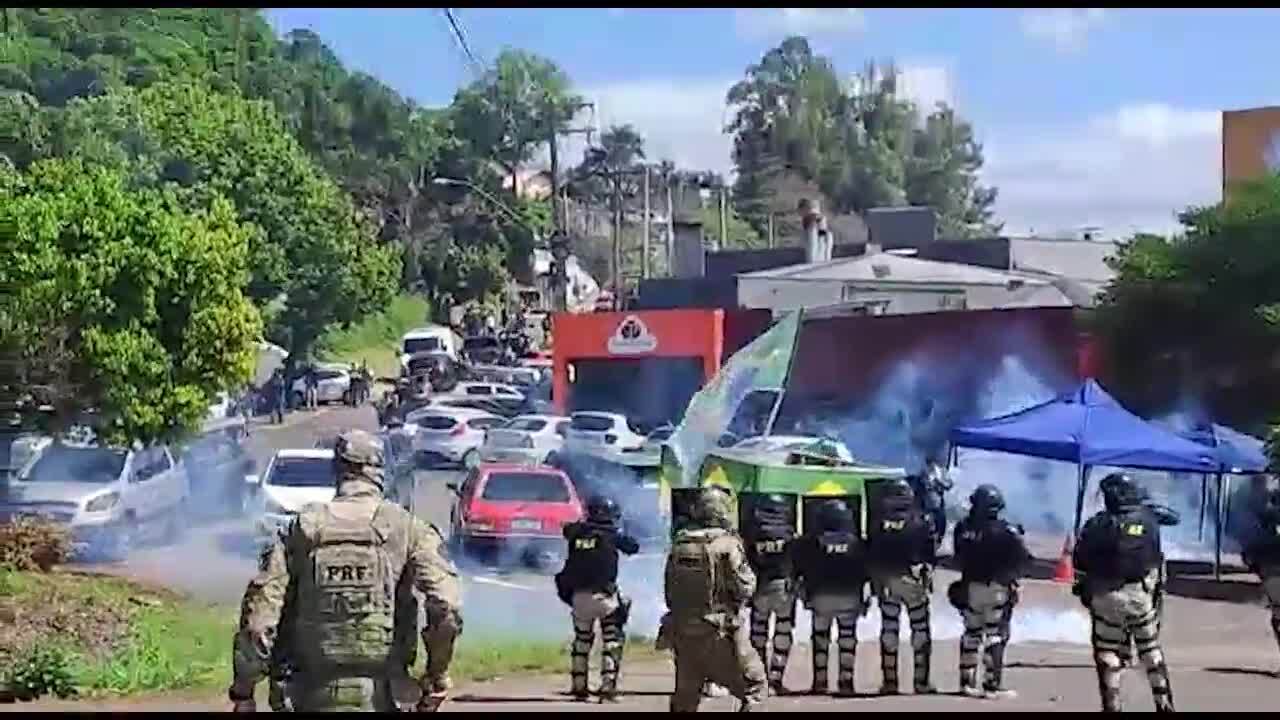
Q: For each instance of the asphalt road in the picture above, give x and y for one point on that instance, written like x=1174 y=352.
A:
x=1221 y=653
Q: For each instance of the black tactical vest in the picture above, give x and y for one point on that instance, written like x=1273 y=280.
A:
x=898 y=534
x=989 y=550
x=837 y=563
x=769 y=553
x=1134 y=547
x=592 y=563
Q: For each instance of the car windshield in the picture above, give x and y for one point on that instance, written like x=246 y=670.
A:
x=435 y=422
x=592 y=423
x=525 y=487
x=302 y=472
x=63 y=463
x=417 y=345
x=526 y=424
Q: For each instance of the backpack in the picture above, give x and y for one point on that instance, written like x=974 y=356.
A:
x=1136 y=543
x=691 y=574
x=346 y=596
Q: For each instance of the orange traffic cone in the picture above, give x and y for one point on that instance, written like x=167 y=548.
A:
x=1064 y=571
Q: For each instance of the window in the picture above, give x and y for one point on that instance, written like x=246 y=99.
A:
x=525 y=487
x=63 y=463
x=592 y=423
x=562 y=428
x=436 y=422
x=479 y=390
x=417 y=345
x=526 y=424
x=302 y=472
x=484 y=423
x=329 y=374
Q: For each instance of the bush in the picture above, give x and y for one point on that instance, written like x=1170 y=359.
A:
x=28 y=543
x=377 y=337
x=42 y=671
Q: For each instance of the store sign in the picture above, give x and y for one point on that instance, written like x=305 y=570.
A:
x=632 y=338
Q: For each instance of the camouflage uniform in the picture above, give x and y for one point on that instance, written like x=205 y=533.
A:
x=345 y=571
x=708 y=582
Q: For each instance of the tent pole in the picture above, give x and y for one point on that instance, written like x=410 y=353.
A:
x=1084 y=481
x=1204 y=501
x=1217 y=543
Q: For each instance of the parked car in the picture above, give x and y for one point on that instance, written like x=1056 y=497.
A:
x=485 y=390
x=109 y=498
x=450 y=434
x=526 y=439
x=514 y=510
x=293 y=479
x=602 y=433
x=332 y=384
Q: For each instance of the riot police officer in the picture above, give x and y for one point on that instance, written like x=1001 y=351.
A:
x=901 y=553
x=770 y=543
x=589 y=585
x=1118 y=560
x=832 y=570
x=992 y=558
x=1262 y=556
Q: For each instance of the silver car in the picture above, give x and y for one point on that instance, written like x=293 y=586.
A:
x=110 y=499
x=526 y=439
x=450 y=434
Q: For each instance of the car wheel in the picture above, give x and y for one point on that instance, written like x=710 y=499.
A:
x=471 y=460
x=176 y=526
x=119 y=542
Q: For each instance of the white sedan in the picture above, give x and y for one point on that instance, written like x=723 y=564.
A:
x=294 y=478
x=602 y=433
x=451 y=434
x=536 y=439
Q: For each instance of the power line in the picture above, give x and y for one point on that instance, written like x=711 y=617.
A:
x=462 y=39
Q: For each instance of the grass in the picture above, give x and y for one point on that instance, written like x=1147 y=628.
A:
x=124 y=639
x=377 y=338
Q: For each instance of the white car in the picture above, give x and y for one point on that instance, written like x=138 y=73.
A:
x=781 y=446
x=536 y=439
x=452 y=434
x=293 y=479
x=485 y=390
x=109 y=498
x=332 y=384
x=597 y=433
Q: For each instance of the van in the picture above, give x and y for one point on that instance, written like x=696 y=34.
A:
x=434 y=339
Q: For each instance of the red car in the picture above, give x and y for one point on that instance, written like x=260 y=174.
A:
x=519 y=511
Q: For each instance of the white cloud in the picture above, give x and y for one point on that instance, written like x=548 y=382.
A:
x=768 y=22
x=1129 y=169
x=1066 y=29
x=927 y=85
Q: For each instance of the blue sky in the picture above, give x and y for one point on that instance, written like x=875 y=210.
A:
x=1088 y=116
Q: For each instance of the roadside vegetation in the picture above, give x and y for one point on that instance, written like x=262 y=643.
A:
x=376 y=338
x=66 y=633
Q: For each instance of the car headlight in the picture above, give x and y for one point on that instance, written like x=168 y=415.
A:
x=102 y=503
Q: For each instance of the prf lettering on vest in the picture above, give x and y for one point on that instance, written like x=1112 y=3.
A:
x=347 y=573
x=585 y=544
x=770 y=547
x=1134 y=529
x=837 y=548
x=894 y=525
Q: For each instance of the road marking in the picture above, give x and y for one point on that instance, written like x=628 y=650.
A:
x=500 y=583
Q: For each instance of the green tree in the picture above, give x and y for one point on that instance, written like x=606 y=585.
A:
x=121 y=303
x=311 y=247
x=1197 y=316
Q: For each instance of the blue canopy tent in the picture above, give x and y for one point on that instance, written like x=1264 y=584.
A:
x=1236 y=454
x=1087 y=427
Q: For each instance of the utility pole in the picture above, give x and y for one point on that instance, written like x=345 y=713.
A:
x=560 y=210
x=644 y=240
x=724 y=220
x=617 y=234
x=671 y=225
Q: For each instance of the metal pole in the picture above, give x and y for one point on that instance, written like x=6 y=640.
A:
x=557 y=223
x=617 y=236
x=1224 y=506
x=1204 y=503
x=772 y=239
x=644 y=240
x=1080 y=492
x=671 y=225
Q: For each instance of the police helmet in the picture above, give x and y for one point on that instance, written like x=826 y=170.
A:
x=712 y=508
x=603 y=510
x=771 y=509
x=358 y=447
x=986 y=500
x=833 y=515
x=1119 y=491
x=899 y=489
